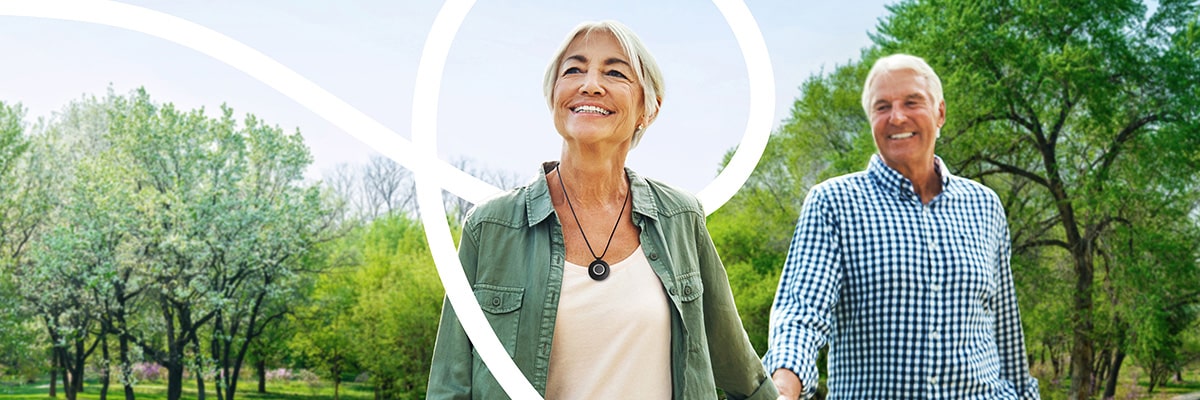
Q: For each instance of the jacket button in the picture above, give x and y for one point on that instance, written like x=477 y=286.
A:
x=687 y=291
x=653 y=256
x=673 y=291
x=495 y=301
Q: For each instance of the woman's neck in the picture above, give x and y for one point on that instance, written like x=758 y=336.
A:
x=593 y=179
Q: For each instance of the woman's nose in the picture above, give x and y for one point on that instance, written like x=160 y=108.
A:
x=591 y=85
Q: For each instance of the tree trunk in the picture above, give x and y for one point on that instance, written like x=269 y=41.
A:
x=1114 y=372
x=105 y=375
x=126 y=366
x=77 y=370
x=199 y=385
x=174 y=377
x=53 y=375
x=66 y=385
x=261 y=368
x=200 y=395
x=1101 y=364
x=1082 y=348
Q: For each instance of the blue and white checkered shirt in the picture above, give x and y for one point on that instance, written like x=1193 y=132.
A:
x=915 y=300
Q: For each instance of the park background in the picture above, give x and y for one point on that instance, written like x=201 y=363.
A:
x=165 y=234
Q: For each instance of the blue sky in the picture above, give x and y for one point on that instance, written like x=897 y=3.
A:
x=491 y=109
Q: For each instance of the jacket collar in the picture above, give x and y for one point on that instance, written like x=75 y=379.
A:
x=538 y=205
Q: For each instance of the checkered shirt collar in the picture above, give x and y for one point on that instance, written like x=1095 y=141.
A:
x=893 y=182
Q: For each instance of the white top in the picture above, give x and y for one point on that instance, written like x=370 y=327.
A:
x=612 y=339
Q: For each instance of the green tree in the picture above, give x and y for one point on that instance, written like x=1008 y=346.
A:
x=398 y=302
x=222 y=219
x=324 y=324
x=17 y=225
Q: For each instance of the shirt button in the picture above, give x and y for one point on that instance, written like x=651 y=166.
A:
x=933 y=380
x=936 y=287
x=932 y=244
x=935 y=335
x=495 y=301
x=653 y=256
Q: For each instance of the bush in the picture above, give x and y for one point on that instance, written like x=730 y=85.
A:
x=144 y=371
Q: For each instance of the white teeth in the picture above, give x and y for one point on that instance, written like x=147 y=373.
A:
x=591 y=109
x=904 y=135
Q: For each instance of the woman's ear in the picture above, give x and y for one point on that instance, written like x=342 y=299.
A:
x=647 y=120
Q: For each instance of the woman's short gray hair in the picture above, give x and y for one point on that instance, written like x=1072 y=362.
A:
x=644 y=66
x=898 y=62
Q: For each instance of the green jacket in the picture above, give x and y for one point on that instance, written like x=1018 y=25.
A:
x=512 y=251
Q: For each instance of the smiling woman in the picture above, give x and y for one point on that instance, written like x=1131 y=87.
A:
x=600 y=283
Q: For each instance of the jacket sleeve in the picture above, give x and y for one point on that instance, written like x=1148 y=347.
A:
x=1010 y=337
x=736 y=367
x=450 y=375
x=808 y=290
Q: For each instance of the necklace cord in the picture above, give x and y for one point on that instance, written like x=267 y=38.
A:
x=580 y=226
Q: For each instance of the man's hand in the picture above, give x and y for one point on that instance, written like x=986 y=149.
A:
x=789 y=385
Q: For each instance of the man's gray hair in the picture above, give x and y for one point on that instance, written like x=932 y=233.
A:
x=897 y=62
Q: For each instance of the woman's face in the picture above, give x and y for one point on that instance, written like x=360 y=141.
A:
x=597 y=98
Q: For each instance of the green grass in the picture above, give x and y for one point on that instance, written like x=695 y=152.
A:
x=1125 y=384
x=154 y=390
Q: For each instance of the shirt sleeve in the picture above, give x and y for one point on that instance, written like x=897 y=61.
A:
x=450 y=373
x=808 y=290
x=1010 y=337
x=736 y=367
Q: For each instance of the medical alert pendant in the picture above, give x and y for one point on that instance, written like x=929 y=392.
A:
x=598 y=270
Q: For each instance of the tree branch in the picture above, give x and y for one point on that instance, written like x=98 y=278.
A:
x=1012 y=169
x=1044 y=242
x=1114 y=149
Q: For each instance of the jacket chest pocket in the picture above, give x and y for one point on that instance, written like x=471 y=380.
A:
x=687 y=287
x=500 y=305
x=686 y=291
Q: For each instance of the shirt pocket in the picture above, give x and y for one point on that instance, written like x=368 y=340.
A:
x=500 y=305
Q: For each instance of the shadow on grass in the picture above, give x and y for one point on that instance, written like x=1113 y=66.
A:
x=158 y=391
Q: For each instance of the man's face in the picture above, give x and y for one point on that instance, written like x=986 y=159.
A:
x=905 y=120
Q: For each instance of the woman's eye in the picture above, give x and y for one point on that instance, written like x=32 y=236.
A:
x=572 y=70
x=616 y=74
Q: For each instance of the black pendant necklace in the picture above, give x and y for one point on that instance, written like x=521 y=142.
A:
x=598 y=269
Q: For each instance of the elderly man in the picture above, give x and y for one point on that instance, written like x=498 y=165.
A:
x=903 y=269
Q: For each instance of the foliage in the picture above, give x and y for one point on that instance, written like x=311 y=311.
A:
x=399 y=295
x=166 y=229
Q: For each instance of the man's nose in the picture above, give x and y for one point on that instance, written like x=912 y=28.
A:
x=897 y=116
